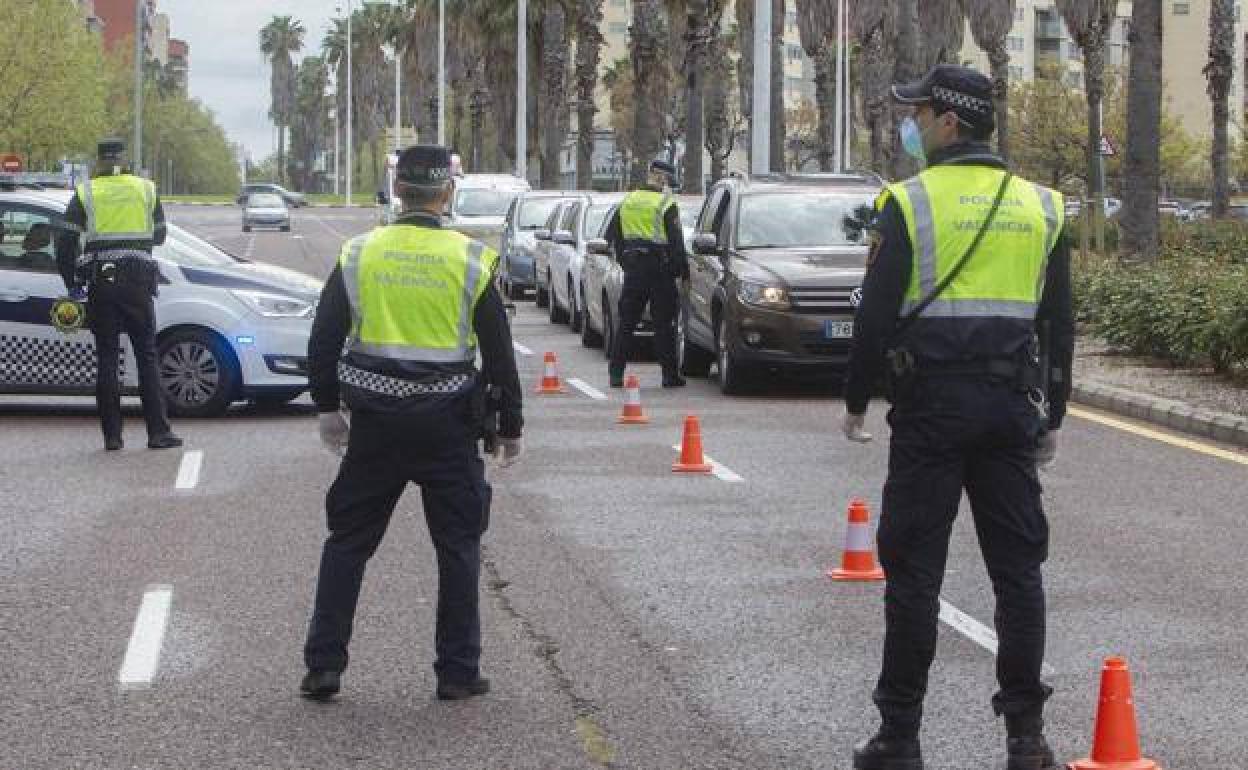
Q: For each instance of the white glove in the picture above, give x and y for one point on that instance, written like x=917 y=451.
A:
x=508 y=451
x=1046 y=450
x=334 y=432
x=854 y=427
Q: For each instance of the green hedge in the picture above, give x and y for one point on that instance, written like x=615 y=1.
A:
x=1190 y=308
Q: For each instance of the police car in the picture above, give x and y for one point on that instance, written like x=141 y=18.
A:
x=227 y=329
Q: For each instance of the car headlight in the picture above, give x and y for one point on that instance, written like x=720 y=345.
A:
x=763 y=295
x=274 y=305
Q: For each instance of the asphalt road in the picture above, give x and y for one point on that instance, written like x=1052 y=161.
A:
x=633 y=618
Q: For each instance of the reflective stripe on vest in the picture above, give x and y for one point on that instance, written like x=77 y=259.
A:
x=119 y=208
x=413 y=291
x=641 y=216
x=944 y=208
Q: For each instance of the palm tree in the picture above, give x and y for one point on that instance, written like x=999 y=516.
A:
x=309 y=123
x=943 y=23
x=279 y=40
x=745 y=63
x=873 y=28
x=1220 y=72
x=991 y=21
x=649 y=36
x=723 y=124
x=1141 y=175
x=816 y=23
x=1088 y=22
x=699 y=34
x=906 y=49
x=589 y=41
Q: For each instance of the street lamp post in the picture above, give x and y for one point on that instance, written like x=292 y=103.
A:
x=137 y=155
x=760 y=128
x=442 y=72
x=522 y=89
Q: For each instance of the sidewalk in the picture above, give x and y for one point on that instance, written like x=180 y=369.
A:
x=1190 y=400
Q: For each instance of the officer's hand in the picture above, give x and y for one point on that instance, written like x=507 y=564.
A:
x=1046 y=450
x=508 y=451
x=854 y=427
x=334 y=432
x=78 y=294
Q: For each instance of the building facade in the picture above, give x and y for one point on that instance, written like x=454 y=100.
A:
x=119 y=23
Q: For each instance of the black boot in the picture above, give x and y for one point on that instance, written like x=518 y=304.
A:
x=673 y=380
x=113 y=443
x=1026 y=746
x=889 y=749
x=617 y=379
x=167 y=441
x=320 y=685
x=462 y=690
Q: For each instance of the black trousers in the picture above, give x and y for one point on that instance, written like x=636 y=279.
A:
x=439 y=453
x=658 y=290
x=977 y=435
x=125 y=306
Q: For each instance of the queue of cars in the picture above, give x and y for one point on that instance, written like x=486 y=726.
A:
x=776 y=266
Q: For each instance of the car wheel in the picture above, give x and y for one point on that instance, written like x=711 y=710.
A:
x=608 y=329
x=285 y=228
x=542 y=297
x=246 y=228
x=198 y=374
x=589 y=337
x=575 y=312
x=557 y=314
x=732 y=374
x=694 y=361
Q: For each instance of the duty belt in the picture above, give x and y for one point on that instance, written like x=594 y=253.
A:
x=398 y=387
x=996 y=368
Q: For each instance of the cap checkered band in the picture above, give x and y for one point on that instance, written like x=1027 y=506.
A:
x=399 y=388
x=959 y=99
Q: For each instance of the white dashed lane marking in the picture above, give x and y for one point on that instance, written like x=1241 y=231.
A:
x=521 y=349
x=719 y=470
x=975 y=631
x=188 y=471
x=587 y=389
x=143 y=651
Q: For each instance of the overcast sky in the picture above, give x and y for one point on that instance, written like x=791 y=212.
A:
x=228 y=74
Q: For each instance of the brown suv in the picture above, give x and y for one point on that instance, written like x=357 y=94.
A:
x=776 y=272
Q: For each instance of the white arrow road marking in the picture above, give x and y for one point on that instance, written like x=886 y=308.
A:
x=521 y=349
x=975 y=631
x=718 y=470
x=188 y=471
x=143 y=651
x=587 y=389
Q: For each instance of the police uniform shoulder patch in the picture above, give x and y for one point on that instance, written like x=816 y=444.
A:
x=68 y=316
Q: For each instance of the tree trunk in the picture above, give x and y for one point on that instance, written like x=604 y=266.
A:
x=999 y=60
x=695 y=129
x=281 y=154
x=1094 y=86
x=1220 y=71
x=554 y=101
x=907 y=48
x=779 y=130
x=1142 y=161
x=588 y=47
x=648 y=36
x=825 y=102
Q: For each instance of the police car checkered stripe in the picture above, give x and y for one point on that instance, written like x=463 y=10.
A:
x=59 y=363
x=399 y=388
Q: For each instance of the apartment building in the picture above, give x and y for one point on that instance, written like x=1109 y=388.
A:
x=1039 y=39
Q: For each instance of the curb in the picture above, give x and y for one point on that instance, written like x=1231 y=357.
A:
x=1167 y=413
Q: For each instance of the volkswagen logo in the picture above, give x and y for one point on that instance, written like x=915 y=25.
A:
x=855 y=297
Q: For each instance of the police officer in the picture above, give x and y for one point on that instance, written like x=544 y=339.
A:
x=412 y=302
x=645 y=232
x=120 y=219
x=973 y=406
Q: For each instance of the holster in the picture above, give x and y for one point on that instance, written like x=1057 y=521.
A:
x=485 y=407
x=901 y=375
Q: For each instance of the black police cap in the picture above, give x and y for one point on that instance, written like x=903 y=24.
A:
x=111 y=147
x=663 y=167
x=425 y=165
x=950 y=88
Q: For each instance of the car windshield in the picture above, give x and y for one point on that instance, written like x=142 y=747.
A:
x=186 y=250
x=596 y=218
x=534 y=212
x=265 y=201
x=484 y=203
x=802 y=220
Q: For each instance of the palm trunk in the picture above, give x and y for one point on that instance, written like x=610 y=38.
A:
x=999 y=60
x=1142 y=162
x=907 y=68
x=1094 y=85
x=1220 y=72
x=778 y=122
x=281 y=154
x=825 y=101
x=554 y=68
x=695 y=127
x=649 y=35
x=588 y=52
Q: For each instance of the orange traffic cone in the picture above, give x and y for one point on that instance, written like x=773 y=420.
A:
x=691 y=459
x=550 y=384
x=858 y=558
x=1115 y=743
x=631 y=414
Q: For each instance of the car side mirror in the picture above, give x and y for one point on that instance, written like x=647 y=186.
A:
x=542 y=235
x=598 y=246
x=705 y=244
x=564 y=237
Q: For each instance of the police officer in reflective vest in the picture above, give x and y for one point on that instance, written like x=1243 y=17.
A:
x=966 y=315
x=413 y=303
x=119 y=218
x=649 y=241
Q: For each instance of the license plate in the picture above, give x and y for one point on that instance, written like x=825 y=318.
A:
x=838 y=330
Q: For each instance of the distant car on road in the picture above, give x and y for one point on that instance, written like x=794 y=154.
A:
x=265 y=210
x=479 y=205
x=293 y=199
x=776 y=275
x=227 y=329
x=526 y=215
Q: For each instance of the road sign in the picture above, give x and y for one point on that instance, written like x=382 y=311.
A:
x=11 y=162
x=1107 y=147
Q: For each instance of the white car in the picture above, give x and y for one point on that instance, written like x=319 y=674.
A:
x=227 y=329
x=479 y=205
x=579 y=220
